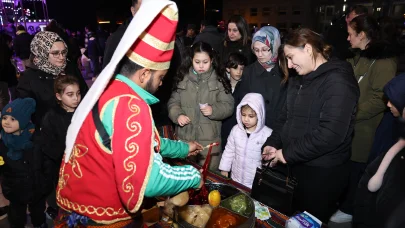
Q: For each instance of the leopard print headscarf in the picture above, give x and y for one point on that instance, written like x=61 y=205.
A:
x=40 y=46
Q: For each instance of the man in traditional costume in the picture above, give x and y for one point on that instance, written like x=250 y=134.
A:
x=113 y=154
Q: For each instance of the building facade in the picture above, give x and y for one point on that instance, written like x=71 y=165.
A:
x=315 y=14
x=284 y=14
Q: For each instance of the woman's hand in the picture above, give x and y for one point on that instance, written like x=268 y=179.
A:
x=225 y=174
x=183 y=120
x=269 y=153
x=207 y=110
x=278 y=158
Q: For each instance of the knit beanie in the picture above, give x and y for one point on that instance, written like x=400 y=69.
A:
x=21 y=110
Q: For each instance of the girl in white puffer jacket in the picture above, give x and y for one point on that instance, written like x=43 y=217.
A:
x=243 y=152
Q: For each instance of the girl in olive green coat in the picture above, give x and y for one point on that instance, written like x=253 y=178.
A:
x=201 y=99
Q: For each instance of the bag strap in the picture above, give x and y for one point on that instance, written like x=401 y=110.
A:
x=365 y=74
x=290 y=177
x=100 y=127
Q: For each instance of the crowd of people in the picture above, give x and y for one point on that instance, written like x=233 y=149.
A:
x=327 y=106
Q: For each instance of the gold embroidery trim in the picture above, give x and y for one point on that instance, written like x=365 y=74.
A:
x=170 y=13
x=146 y=62
x=156 y=43
x=99 y=211
x=77 y=153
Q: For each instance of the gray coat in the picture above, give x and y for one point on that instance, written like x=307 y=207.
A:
x=197 y=89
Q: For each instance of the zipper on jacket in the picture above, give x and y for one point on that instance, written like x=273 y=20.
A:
x=299 y=89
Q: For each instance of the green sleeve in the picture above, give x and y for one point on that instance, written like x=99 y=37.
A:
x=173 y=149
x=166 y=180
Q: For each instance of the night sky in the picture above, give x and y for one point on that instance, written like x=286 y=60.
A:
x=75 y=14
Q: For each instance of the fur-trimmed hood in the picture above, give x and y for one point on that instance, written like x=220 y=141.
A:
x=380 y=50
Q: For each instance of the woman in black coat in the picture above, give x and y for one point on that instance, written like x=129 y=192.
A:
x=49 y=61
x=313 y=133
x=237 y=39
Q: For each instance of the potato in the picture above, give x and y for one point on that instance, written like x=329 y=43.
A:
x=181 y=199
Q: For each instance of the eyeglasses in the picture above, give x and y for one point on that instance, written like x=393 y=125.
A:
x=56 y=54
x=264 y=51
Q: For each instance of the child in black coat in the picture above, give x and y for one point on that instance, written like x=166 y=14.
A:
x=22 y=170
x=53 y=133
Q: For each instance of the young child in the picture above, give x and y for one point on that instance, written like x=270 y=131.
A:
x=243 y=152
x=201 y=100
x=22 y=164
x=3 y=201
x=53 y=133
x=234 y=68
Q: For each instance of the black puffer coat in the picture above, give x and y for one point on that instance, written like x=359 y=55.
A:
x=373 y=209
x=52 y=140
x=38 y=85
x=23 y=180
x=316 y=125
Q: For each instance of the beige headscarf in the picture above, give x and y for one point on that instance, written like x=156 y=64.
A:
x=40 y=46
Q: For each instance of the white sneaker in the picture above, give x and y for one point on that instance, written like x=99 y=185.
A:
x=341 y=217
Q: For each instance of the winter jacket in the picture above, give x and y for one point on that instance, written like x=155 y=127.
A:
x=387 y=133
x=7 y=69
x=256 y=79
x=228 y=47
x=37 y=84
x=373 y=209
x=243 y=154
x=373 y=68
x=22 y=44
x=197 y=89
x=23 y=180
x=316 y=125
x=211 y=36
x=93 y=48
x=113 y=41
x=52 y=140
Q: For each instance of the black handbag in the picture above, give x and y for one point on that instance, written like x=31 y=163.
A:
x=274 y=187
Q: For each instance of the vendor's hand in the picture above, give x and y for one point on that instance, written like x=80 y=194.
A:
x=194 y=148
x=269 y=153
x=225 y=173
x=278 y=158
x=183 y=120
x=207 y=110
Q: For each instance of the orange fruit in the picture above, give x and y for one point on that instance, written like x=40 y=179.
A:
x=214 y=198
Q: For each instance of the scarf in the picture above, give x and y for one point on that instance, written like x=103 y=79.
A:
x=269 y=36
x=16 y=144
x=20 y=32
x=40 y=46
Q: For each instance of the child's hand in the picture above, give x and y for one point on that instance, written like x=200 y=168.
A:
x=225 y=174
x=269 y=153
x=207 y=110
x=1 y=161
x=183 y=120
